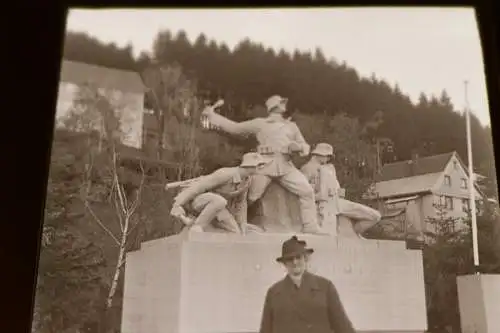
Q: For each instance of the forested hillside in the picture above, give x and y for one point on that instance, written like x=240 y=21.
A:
x=316 y=85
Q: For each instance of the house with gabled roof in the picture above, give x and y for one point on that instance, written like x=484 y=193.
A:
x=125 y=87
x=429 y=182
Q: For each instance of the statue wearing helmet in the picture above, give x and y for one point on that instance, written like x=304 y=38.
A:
x=277 y=138
x=330 y=197
x=219 y=197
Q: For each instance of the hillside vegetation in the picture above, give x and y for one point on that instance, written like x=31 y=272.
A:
x=317 y=86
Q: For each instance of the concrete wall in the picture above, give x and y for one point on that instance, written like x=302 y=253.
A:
x=479 y=302
x=129 y=107
x=152 y=290
x=223 y=280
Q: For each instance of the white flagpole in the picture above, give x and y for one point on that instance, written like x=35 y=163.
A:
x=472 y=191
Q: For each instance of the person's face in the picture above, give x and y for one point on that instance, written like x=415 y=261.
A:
x=280 y=108
x=322 y=159
x=296 y=265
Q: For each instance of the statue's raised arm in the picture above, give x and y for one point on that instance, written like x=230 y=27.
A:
x=245 y=128
x=278 y=138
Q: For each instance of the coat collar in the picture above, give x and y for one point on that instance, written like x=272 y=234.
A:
x=309 y=288
x=309 y=282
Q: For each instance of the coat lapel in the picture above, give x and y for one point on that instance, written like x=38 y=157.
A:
x=300 y=298
x=309 y=282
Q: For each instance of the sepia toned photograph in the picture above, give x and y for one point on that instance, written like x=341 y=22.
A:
x=277 y=170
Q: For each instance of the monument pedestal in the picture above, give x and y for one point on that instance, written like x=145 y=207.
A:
x=210 y=282
x=479 y=303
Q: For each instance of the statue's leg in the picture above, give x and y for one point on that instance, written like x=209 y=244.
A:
x=225 y=220
x=363 y=217
x=238 y=207
x=295 y=182
x=322 y=212
x=327 y=216
x=256 y=190
x=208 y=205
x=257 y=187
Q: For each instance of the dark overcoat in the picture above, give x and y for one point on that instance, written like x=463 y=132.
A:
x=314 y=307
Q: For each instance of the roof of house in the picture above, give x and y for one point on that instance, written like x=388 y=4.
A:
x=407 y=185
x=104 y=77
x=409 y=168
x=413 y=176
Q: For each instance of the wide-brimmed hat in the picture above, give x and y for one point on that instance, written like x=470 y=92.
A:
x=252 y=160
x=275 y=101
x=323 y=149
x=293 y=247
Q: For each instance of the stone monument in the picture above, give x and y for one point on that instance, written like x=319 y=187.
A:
x=215 y=281
x=479 y=302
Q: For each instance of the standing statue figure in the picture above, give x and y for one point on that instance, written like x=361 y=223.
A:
x=221 y=195
x=330 y=197
x=278 y=138
x=323 y=179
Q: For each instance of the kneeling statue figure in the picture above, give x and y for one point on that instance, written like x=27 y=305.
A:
x=218 y=198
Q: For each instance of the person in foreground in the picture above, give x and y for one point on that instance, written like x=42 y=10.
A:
x=302 y=301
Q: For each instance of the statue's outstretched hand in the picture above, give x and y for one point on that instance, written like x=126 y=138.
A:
x=211 y=108
x=177 y=211
x=207 y=110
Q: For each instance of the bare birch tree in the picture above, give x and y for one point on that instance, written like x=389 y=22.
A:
x=104 y=181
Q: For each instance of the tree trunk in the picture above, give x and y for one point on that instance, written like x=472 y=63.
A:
x=161 y=135
x=119 y=264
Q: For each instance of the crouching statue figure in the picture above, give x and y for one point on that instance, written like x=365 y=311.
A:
x=218 y=200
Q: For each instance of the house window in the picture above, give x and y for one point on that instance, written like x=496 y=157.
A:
x=463 y=183
x=447 y=180
x=447 y=227
x=455 y=165
x=445 y=202
x=465 y=205
x=448 y=202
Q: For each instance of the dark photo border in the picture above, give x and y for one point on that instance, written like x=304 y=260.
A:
x=35 y=38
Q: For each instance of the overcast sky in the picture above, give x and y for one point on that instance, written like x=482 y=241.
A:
x=422 y=50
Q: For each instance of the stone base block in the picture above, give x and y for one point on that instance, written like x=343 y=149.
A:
x=479 y=302
x=209 y=282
